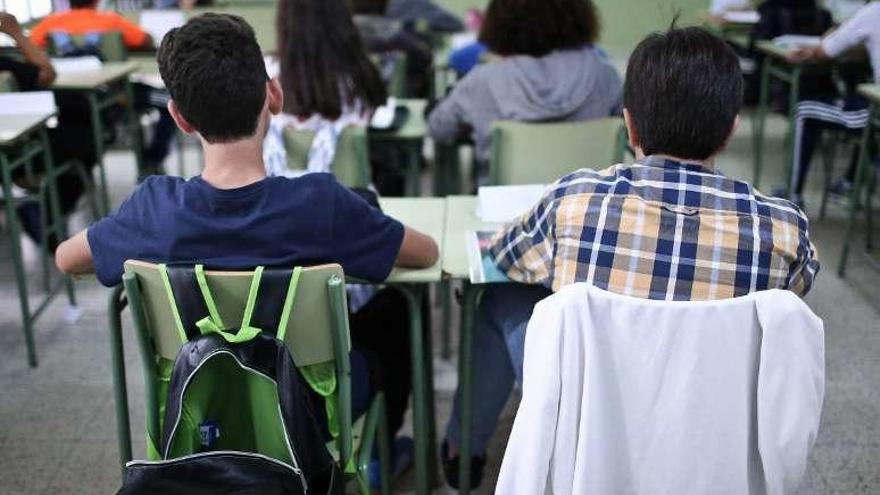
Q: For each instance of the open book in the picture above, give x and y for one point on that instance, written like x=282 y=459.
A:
x=480 y=262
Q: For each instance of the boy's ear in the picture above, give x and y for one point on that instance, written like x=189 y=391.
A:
x=632 y=135
x=274 y=96
x=181 y=122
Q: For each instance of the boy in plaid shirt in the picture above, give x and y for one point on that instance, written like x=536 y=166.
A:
x=668 y=227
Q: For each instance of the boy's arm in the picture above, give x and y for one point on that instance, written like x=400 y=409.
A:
x=74 y=256
x=417 y=250
x=32 y=55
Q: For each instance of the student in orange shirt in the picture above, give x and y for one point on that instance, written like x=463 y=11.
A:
x=85 y=18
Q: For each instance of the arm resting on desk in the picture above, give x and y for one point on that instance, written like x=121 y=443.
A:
x=74 y=256
x=417 y=250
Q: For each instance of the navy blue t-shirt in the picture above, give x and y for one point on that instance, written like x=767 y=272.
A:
x=277 y=222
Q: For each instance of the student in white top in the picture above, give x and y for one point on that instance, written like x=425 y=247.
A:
x=718 y=7
x=849 y=112
x=328 y=80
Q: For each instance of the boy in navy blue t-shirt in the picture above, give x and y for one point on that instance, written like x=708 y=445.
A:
x=234 y=217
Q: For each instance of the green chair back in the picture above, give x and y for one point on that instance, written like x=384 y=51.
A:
x=317 y=332
x=540 y=153
x=7 y=82
x=351 y=164
x=111 y=46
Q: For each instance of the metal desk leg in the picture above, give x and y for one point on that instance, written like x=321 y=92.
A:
x=861 y=171
x=134 y=128
x=14 y=233
x=57 y=218
x=116 y=304
x=759 y=121
x=413 y=173
x=472 y=295
x=793 y=97
x=421 y=427
x=98 y=136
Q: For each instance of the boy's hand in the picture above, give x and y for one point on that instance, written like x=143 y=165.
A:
x=9 y=25
x=806 y=53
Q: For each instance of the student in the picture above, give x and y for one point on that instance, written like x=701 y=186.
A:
x=328 y=80
x=34 y=71
x=233 y=217
x=549 y=70
x=668 y=227
x=848 y=113
x=84 y=19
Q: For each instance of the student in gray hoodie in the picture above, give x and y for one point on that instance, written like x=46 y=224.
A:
x=548 y=70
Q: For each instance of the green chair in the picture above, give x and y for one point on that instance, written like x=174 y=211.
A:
x=317 y=335
x=7 y=82
x=540 y=153
x=351 y=164
x=111 y=46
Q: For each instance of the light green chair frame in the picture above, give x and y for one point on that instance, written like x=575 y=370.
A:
x=540 y=153
x=351 y=164
x=7 y=82
x=316 y=333
x=112 y=48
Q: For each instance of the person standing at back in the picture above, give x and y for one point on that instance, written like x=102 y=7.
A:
x=668 y=227
x=234 y=217
x=84 y=18
x=548 y=69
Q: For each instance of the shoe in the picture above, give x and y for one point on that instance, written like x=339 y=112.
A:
x=450 y=468
x=842 y=188
x=402 y=458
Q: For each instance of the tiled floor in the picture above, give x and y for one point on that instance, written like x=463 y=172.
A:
x=57 y=426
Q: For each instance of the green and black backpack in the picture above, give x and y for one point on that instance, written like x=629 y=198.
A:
x=239 y=418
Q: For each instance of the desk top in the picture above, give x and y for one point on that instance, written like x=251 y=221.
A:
x=461 y=218
x=774 y=50
x=261 y=17
x=14 y=127
x=415 y=127
x=427 y=215
x=871 y=92
x=91 y=79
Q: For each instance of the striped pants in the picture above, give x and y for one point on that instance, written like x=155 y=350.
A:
x=815 y=116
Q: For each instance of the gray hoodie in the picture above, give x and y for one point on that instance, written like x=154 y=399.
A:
x=565 y=85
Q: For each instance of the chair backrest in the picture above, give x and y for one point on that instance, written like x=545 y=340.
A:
x=310 y=328
x=110 y=46
x=679 y=396
x=7 y=82
x=351 y=163
x=540 y=153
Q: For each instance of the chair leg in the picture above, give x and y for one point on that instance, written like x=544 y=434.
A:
x=384 y=449
x=116 y=304
x=828 y=156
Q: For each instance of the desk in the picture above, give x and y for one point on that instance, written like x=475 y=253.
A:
x=409 y=137
x=426 y=215
x=871 y=92
x=23 y=138
x=90 y=83
x=461 y=218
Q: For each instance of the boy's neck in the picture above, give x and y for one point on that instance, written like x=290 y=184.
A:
x=708 y=164
x=234 y=164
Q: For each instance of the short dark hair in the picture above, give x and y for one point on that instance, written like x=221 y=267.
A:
x=214 y=70
x=683 y=91
x=538 y=27
x=79 y=4
x=324 y=65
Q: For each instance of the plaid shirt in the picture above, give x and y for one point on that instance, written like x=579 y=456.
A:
x=660 y=230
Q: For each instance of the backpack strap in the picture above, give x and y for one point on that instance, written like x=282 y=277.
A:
x=184 y=297
x=274 y=304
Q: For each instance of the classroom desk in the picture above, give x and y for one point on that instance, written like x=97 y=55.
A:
x=461 y=219
x=426 y=215
x=22 y=139
x=92 y=83
x=410 y=137
x=871 y=92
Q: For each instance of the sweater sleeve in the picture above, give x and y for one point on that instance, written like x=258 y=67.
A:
x=852 y=32
x=457 y=111
x=526 y=465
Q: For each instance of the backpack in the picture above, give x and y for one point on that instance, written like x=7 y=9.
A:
x=240 y=418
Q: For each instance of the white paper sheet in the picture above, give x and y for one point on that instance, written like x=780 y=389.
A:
x=27 y=103
x=792 y=41
x=500 y=204
x=159 y=22
x=742 y=16
x=73 y=65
